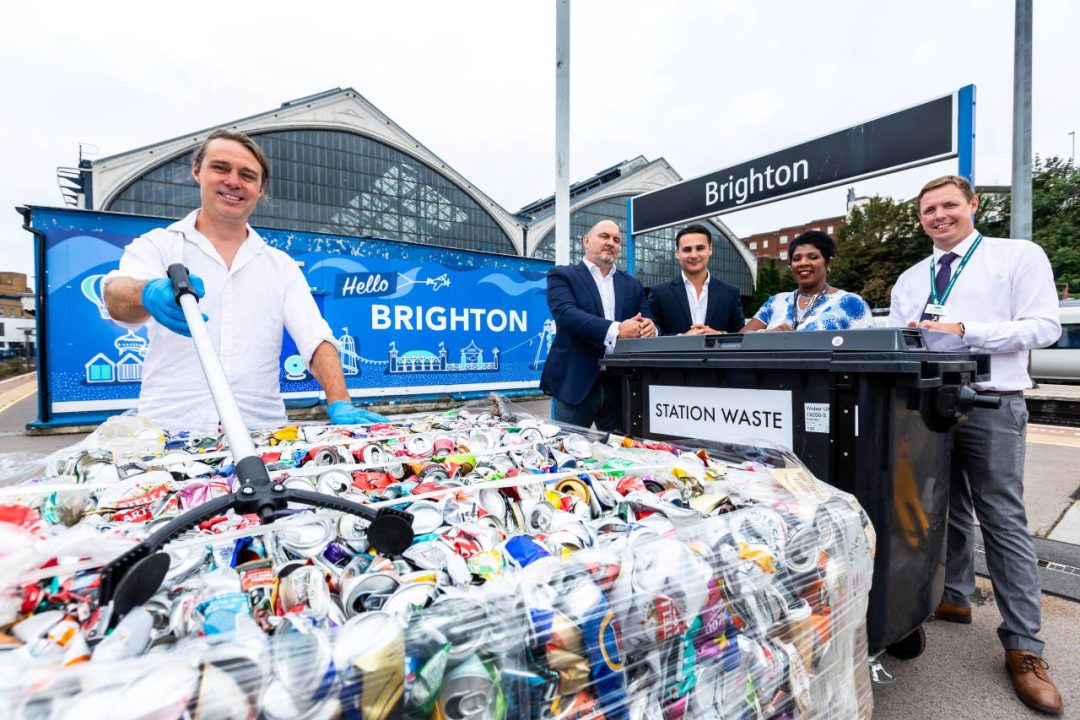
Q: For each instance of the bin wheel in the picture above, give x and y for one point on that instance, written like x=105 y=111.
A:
x=910 y=647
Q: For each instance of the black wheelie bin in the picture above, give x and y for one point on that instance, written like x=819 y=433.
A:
x=867 y=411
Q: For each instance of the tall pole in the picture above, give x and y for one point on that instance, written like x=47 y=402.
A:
x=1072 y=157
x=562 y=132
x=1020 y=225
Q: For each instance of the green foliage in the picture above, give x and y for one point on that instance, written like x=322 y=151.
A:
x=12 y=367
x=879 y=241
x=992 y=217
x=1055 y=217
x=772 y=278
x=884 y=238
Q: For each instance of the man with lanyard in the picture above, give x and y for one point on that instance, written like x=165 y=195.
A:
x=249 y=290
x=994 y=296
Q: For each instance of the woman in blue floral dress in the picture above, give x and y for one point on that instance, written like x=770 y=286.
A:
x=815 y=305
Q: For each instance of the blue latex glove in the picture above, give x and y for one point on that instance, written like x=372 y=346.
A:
x=344 y=412
x=159 y=301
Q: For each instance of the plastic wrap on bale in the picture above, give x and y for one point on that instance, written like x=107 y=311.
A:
x=556 y=573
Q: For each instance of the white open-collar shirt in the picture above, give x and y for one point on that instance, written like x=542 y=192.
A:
x=1005 y=297
x=699 y=304
x=248 y=305
x=606 y=285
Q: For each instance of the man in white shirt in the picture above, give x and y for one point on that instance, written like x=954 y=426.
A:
x=252 y=292
x=593 y=304
x=994 y=296
x=695 y=303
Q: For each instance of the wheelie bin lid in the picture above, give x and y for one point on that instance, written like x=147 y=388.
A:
x=896 y=350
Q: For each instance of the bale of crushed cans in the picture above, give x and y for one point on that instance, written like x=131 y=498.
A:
x=555 y=573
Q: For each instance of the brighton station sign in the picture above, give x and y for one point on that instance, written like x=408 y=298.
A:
x=936 y=130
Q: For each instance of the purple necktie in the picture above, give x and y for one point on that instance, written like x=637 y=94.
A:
x=941 y=281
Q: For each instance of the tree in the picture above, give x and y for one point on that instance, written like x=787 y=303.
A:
x=769 y=282
x=879 y=241
x=992 y=217
x=884 y=237
x=1055 y=217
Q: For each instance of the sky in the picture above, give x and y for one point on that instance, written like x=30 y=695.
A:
x=703 y=84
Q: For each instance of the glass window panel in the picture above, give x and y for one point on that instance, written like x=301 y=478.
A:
x=654 y=252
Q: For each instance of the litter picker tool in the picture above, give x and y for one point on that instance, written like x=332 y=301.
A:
x=134 y=577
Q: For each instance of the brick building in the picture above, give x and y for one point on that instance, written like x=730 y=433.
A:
x=13 y=289
x=17 y=323
x=774 y=244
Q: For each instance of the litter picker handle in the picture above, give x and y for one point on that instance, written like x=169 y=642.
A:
x=232 y=422
x=181 y=282
x=135 y=576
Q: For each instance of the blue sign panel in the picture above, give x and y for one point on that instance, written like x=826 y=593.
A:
x=411 y=320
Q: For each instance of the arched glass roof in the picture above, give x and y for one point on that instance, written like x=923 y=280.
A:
x=332 y=181
x=654 y=252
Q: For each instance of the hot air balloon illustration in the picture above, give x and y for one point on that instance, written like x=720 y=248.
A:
x=92 y=291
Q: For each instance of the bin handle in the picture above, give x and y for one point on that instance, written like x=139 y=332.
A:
x=729 y=339
x=986 y=401
x=953 y=401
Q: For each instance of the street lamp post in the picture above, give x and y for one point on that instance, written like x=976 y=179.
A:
x=1020 y=220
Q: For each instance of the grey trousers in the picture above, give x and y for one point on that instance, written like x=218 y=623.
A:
x=988 y=478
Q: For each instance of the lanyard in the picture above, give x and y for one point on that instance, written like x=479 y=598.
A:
x=934 y=299
x=796 y=321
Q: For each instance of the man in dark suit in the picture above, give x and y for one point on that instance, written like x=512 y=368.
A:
x=695 y=303
x=593 y=304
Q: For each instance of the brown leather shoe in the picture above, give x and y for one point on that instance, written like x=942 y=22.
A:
x=953 y=613
x=1031 y=681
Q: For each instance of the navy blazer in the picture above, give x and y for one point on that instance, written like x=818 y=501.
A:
x=671 y=309
x=573 y=362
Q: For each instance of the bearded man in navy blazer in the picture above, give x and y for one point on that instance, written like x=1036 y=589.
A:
x=593 y=304
x=696 y=303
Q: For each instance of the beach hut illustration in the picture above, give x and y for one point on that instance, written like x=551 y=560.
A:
x=129 y=368
x=131 y=352
x=100 y=369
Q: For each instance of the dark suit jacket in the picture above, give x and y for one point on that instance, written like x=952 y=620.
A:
x=671 y=309
x=573 y=362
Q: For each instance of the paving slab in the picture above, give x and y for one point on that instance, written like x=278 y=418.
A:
x=1068 y=528
x=962 y=672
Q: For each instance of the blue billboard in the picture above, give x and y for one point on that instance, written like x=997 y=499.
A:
x=411 y=320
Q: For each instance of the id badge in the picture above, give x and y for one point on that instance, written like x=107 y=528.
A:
x=935 y=309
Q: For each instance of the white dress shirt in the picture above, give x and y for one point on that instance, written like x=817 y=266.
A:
x=248 y=305
x=1005 y=297
x=606 y=285
x=699 y=304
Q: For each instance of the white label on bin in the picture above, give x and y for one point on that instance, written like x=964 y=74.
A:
x=817 y=417
x=734 y=415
